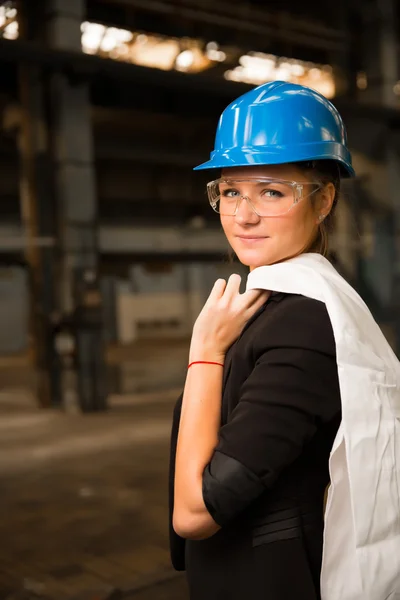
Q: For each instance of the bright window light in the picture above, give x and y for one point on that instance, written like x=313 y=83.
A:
x=184 y=60
x=108 y=42
x=214 y=53
x=11 y=31
x=257 y=68
x=161 y=52
x=298 y=70
x=362 y=80
x=8 y=16
x=92 y=36
x=122 y=36
x=192 y=61
x=155 y=52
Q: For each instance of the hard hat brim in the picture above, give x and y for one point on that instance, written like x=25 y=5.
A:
x=274 y=156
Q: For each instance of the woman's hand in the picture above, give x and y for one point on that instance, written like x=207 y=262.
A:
x=223 y=317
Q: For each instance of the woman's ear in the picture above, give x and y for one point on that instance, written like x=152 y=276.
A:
x=325 y=201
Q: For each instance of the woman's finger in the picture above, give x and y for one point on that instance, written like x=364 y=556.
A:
x=262 y=299
x=256 y=305
x=233 y=285
x=217 y=290
x=252 y=296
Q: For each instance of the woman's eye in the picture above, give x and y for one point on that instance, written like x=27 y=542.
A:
x=272 y=194
x=230 y=193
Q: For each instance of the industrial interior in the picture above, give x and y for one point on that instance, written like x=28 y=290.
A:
x=109 y=249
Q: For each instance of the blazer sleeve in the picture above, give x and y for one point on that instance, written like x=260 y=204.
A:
x=292 y=388
x=176 y=543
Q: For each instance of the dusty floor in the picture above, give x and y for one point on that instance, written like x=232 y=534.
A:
x=84 y=501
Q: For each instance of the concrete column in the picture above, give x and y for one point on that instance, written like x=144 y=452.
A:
x=380 y=272
x=79 y=292
x=381 y=58
x=393 y=161
x=36 y=194
x=388 y=43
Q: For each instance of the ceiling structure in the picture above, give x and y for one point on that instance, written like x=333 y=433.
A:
x=240 y=41
x=182 y=61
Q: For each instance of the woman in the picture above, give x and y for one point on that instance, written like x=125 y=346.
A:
x=253 y=433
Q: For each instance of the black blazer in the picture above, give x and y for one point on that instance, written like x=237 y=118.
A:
x=266 y=481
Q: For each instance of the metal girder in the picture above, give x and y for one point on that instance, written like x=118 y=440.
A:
x=242 y=17
x=82 y=67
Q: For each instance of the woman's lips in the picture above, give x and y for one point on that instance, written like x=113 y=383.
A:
x=251 y=239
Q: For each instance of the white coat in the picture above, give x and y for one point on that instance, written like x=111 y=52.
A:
x=361 y=556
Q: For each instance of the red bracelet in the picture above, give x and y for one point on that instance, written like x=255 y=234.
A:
x=205 y=362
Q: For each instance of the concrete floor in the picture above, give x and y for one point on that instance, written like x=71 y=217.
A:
x=84 y=501
x=168 y=589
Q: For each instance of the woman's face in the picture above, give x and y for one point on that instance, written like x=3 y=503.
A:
x=261 y=241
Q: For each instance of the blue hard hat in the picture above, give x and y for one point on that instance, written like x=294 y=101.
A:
x=278 y=123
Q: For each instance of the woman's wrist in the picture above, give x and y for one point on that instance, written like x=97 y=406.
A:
x=202 y=352
x=205 y=362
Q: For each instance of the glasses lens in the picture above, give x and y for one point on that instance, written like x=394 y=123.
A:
x=268 y=198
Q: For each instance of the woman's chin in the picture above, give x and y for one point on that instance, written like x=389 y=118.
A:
x=254 y=259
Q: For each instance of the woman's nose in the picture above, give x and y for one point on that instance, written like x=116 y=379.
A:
x=245 y=211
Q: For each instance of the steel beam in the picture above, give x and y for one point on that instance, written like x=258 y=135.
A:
x=241 y=17
x=79 y=67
